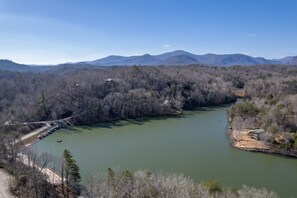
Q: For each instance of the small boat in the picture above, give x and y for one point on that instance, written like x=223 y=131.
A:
x=60 y=140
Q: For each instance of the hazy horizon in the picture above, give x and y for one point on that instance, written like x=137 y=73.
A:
x=54 y=64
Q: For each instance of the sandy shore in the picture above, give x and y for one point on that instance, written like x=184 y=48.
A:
x=53 y=177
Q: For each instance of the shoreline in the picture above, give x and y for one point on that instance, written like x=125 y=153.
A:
x=53 y=177
x=241 y=139
x=29 y=139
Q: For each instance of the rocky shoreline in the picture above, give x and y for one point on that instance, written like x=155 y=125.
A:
x=247 y=140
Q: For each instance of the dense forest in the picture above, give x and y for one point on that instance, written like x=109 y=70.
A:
x=128 y=92
x=264 y=96
x=109 y=93
x=271 y=104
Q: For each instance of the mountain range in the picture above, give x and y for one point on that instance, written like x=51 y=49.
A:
x=178 y=57
x=181 y=57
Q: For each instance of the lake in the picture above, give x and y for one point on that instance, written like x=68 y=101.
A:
x=195 y=144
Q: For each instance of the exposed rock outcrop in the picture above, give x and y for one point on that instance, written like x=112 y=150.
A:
x=249 y=140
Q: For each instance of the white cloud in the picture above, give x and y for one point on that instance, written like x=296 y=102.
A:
x=251 y=35
x=166 y=45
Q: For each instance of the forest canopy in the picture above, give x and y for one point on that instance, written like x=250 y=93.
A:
x=111 y=93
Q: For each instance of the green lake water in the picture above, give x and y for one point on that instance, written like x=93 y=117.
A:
x=195 y=144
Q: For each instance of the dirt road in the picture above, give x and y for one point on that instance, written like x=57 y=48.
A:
x=4 y=185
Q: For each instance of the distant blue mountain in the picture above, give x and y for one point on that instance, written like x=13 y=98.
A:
x=175 y=53
x=293 y=61
x=290 y=60
x=8 y=65
x=181 y=57
x=122 y=60
x=178 y=57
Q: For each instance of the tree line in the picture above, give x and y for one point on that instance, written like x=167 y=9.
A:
x=129 y=92
x=141 y=183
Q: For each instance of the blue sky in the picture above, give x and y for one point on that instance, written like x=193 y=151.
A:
x=57 y=31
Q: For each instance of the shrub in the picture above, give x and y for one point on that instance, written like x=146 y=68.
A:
x=253 y=192
x=272 y=129
x=244 y=109
x=295 y=141
x=213 y=186
x=164 y=185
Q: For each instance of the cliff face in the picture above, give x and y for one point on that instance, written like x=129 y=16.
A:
x=244 y=140
x=247 y=140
